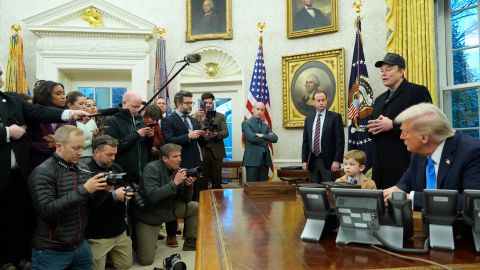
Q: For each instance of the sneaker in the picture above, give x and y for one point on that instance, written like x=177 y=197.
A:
x=190 y=244
x=172 y=241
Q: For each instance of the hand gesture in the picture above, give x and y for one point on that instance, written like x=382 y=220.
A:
x=98 y=182
x=78 y=114
x=195 y=134
x=381 y=124
x=180 y=177
x=16 y=132
x=144 y=131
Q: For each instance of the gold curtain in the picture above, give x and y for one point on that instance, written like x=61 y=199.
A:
x=411 y=33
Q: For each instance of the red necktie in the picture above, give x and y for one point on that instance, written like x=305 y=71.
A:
x=316 y=139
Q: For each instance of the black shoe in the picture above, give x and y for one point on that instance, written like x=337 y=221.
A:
x=179 y=232
x=161 y=237
x=8 y=266
x=190 y=244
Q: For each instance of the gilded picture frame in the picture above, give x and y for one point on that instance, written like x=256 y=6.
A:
x=302 y=75
x=209 y=19
x=312 y=17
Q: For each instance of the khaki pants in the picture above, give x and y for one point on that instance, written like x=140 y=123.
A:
x=119 y=248
x=147 y=234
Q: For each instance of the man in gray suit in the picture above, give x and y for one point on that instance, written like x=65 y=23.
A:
x=258 y=135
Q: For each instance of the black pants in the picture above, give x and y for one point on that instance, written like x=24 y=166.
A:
x=16 y=220
x=212 y=170
x=317 y=171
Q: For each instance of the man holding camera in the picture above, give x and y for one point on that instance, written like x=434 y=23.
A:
x=182 y=129
x=105 y=231
x=215 y=126
x=60 y=188
x=167 y=191
x=134 y=137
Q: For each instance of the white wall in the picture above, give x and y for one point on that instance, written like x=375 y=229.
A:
x=171 y=14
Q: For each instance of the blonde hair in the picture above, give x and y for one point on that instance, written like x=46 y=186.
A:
x=62 y=135
x=427 y=118
x=357 y=155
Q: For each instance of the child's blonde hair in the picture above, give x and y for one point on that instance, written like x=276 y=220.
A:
x=357 y=155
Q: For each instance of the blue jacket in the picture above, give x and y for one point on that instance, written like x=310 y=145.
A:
x=459 y=169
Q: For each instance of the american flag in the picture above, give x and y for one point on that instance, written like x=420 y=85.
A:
x=259 y=93
x=161 y=71
x=360 y=101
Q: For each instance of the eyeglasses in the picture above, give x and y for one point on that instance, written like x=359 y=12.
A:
x=189 y=103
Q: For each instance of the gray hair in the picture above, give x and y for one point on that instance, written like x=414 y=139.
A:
x=169 y=148
x=62 y=135
x=314 y=78
x=427 y=118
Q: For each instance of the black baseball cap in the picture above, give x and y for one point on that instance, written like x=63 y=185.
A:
x=391 y=59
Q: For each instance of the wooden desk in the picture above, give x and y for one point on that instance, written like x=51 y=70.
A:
x=237 y=231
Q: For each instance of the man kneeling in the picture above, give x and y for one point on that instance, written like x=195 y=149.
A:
x=167 y=192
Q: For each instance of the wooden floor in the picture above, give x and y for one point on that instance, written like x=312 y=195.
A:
x=238 y=231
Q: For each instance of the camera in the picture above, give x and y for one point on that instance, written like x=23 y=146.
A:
x=114 y=179
x=137 y=198
x=174 y=262
x=194 y=172
x=208 y=123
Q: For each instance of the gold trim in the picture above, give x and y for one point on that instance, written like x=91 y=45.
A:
x=15 y=28
x=333 y=27
x=93 y=16
x=228 y=34
x=331 y=59
x=221 y=244
x=160 y=31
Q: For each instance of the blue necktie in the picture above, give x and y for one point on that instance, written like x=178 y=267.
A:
x=430 y=172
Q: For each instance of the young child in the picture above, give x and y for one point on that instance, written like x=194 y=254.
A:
x=354 y=161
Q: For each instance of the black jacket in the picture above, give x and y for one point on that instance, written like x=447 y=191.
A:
x=14 y=110
x=387 y=170
x=132 y=153
x=107 y=217
x=159 y=193
x=60 y=204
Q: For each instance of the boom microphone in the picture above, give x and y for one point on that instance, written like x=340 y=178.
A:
x=191 y=58
x=106 y=112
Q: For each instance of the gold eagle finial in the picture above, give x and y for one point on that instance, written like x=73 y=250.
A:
x=93 y=17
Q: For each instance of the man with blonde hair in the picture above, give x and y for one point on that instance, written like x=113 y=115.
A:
x=441 y=158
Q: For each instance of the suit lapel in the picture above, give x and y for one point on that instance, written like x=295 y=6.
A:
x=446 y=160
x=310 y=128
x=180 y=121
x=396 y=93
x=4 y=110
x=421 y=173
x=325 y=123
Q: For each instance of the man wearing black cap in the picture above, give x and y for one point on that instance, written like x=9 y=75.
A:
x=400 y=95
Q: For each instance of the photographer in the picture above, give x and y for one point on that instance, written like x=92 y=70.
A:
x=167 y=191
x=106 y=230
x=213 y=152
x=60 y=189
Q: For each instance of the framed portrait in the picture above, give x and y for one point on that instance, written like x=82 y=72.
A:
x=311 y=17
x=305 y=74
x=209 y=19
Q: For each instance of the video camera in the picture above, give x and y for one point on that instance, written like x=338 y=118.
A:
x=194 y=172
x=117 y=180
x=209 y=117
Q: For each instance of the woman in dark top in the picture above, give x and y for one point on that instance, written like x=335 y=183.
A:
x=41 y=140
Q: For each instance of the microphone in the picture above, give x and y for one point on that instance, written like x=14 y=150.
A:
x=191 y=58
x=106 y=112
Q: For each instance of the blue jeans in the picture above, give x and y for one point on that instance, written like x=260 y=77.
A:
x=78 y=259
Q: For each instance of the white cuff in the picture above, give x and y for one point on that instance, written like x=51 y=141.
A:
x=66 y=115
x=8 y=134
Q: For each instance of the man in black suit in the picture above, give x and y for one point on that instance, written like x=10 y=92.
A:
x=16 y=214
x=441 y=159
x=400 y=95
x=309 y=17
x=323 y=141
x=182 y=129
